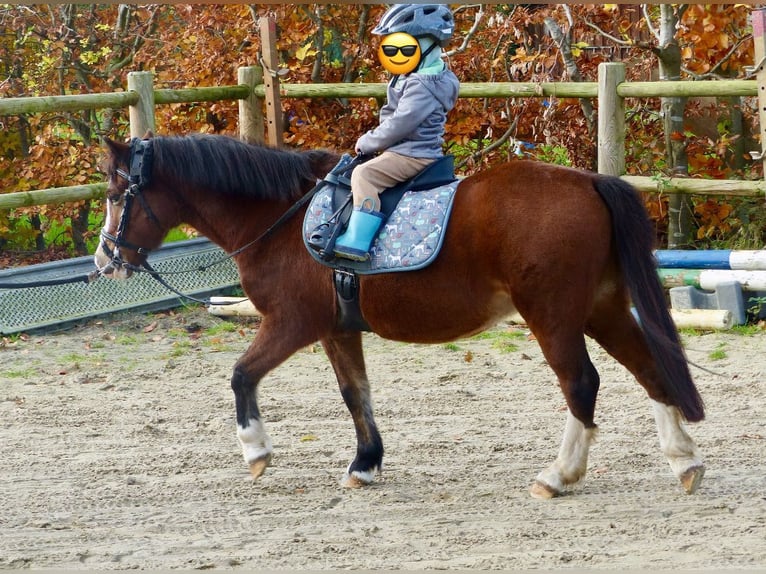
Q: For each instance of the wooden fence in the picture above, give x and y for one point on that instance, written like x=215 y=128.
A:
x=259 y=94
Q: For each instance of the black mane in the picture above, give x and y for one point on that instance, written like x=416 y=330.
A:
x=231 y=166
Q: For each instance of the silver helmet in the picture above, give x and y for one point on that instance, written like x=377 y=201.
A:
x=418 y=20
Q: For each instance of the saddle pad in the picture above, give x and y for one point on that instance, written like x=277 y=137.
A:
x=410 y=239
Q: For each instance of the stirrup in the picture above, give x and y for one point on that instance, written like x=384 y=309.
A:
x=320 y=236
x=323 y=236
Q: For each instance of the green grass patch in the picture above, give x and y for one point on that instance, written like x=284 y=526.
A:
x=178 y=332
x=747 y=330
x=503 y=341
x=20 y=374
x=222 y=327
x=181 y=348
x=128 y=340
x=718 y=353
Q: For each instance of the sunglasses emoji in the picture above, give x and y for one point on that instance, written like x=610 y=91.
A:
x=399 y=53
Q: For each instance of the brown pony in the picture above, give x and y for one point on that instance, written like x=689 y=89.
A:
x=568 y=250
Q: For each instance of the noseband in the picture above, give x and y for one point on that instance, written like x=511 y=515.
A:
x=140 y=169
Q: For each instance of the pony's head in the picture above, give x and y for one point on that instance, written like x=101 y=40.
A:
x=136 y=219
x=156 y=183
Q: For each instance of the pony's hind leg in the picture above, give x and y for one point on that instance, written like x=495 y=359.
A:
x=347 y=359
x=678 y=447
x=618 y=333
x=571 y=463
x=579 y=382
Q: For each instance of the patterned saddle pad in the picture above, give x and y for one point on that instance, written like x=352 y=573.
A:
x=410 y=238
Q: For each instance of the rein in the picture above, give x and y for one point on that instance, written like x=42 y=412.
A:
x=86 y=278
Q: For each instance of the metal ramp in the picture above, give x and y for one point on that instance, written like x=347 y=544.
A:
x=56 y=307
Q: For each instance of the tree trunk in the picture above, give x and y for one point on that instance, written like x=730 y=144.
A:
x=737 y=153
x=316 y=71
x=37 y=225
x=80 y=228
x=565 y=49
x=679 y=206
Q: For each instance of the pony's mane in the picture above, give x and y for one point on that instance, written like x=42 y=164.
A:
x=230 y=166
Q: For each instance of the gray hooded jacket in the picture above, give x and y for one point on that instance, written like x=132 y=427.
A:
x=412 y=120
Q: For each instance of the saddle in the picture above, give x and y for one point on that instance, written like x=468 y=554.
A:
x=416 y=213
x=322 y=238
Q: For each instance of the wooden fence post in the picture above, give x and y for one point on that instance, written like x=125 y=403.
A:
x=759 y=41
x=251 y=108
x=611 y=119
x=270 y=63
x=142 y=113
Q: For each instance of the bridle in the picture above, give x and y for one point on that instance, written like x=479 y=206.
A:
x=138 y=178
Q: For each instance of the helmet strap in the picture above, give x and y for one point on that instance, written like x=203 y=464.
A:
x=430 y=49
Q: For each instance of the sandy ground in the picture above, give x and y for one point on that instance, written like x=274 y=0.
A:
x=119 y=452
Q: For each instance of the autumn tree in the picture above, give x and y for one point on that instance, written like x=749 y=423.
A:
x=70 y=49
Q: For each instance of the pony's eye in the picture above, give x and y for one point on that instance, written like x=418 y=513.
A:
x=115 y=198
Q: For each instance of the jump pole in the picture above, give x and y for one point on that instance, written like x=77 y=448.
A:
x=683 y=318
x=232 y=307
x=702 y=318
x=754 y=260
x=708 y=279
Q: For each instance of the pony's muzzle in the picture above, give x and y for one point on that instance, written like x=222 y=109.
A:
x=109 y=268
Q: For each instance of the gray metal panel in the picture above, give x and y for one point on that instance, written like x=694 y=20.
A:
x=28 y=309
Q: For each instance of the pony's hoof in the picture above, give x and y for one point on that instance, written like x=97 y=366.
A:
x=691 y=478
x=356 y=479
x=541 y=491
x=259 y=466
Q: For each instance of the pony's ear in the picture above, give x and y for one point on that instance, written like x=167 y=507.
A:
x=116 y=149
x=116 y=153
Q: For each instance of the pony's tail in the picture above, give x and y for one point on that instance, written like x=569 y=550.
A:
x=633 y=235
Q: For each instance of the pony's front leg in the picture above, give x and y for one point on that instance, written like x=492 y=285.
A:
x=276 y=341
x=346 y=356
x=256 y=444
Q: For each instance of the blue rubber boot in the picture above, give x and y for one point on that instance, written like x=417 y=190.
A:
x=355 y=243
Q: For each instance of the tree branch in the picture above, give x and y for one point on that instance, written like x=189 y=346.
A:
x=493 y=146
x=474 y=28
x=606 y=35
x=571 y=66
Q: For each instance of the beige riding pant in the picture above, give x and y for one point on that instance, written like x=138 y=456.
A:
x=382 y=172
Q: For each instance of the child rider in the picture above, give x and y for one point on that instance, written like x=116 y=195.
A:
x=410 y=133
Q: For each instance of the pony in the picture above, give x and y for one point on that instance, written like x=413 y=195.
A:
x=568 y=250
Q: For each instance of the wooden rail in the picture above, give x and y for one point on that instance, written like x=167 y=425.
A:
x=258 y=91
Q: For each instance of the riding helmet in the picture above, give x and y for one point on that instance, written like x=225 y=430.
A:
x=418 y=20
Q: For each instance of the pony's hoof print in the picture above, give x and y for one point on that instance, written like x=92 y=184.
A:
x=692 y=478
x=259 y=466
x=541 y=491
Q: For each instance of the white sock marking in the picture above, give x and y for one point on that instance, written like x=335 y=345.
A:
x=675 y=443
x=572 y=461
x=255 y=442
